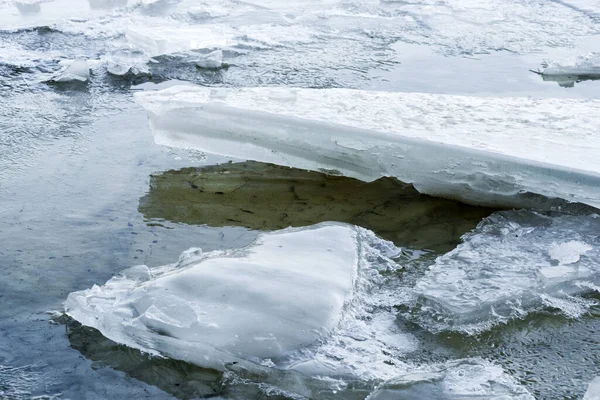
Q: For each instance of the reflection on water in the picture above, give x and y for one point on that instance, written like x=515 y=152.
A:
x=181 y=379
x=268 y=197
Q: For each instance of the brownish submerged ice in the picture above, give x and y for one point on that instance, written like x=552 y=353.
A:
x=266 y=197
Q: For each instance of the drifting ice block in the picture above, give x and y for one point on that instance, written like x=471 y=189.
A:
x=513 y=263
x=280 y=294
x=481 y=150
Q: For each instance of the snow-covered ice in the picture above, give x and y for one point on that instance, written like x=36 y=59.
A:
x=212 y=60
x=156 y=40
x=514 y=263
x=478 y=149
x=76 y=71
x=284 y=293
x=460 y=379
x=593 y=390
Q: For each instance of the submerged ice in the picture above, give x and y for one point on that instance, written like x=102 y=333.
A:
x=478 y=149
x=454 y=380
x=514 y=263
x=284 y=301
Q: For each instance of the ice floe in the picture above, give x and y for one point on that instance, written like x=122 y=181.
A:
x=212 y=60
x=164 y=39
x=566 y=73
x=76 y=71
x=285 y=301
x=478 y=149
x=460 y=379
x=514 y=263
x=593 y=391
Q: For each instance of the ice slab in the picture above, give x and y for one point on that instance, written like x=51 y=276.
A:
x=212 y=60
x=593 y=390
x=514 y=263
x=167 y=39
x=566 y=73
x=460 y=379
x=77 y=71
x=481 y=150
x=285 y=292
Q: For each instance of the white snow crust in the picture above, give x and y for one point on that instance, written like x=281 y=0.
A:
x=478 y=149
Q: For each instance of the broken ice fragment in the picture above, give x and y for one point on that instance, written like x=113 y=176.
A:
x=77 y=71
x=159 y=40
x=567 y=73
x=204 y=308
x=506 y=268
x=568 y=252
x=212 y=60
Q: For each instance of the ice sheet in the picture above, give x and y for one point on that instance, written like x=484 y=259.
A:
x=478 y=149
x=460 y=379
x=514 y=263
x=280 y=302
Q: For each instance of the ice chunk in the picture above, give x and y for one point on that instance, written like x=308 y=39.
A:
x=482 y=150
x=512 y=264
x=212 y=60
x=593 y=391
x=461 y=379
x=585 y=67
x=205 y=309
x=568 y=252
x=166 y=39
x=77 y=71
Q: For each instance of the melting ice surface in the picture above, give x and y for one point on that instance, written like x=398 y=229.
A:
x=479 y=149
x=514 y=263
x=460 y=379
x=291 y=300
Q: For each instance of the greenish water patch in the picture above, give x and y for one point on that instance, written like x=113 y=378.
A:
x=268 y=197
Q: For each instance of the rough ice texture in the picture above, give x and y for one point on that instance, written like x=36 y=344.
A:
x=460 y=379
x=514 y=263
x=287 y=291
x=593 y=390
x=77 y=71
x=478 y=149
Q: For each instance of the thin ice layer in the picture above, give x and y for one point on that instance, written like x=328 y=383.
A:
x=478 y=149
x=460 y=379
x=284 y=292
x=514 y=263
